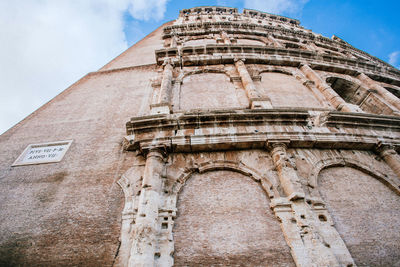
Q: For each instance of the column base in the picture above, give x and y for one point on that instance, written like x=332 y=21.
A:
x=165 y=109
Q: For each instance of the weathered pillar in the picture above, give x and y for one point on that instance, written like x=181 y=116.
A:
x=275 y=42
x=255 y=99
x=311 y=86
x=290 y=182
x=173 y=41
x=225 y=37
x=328 y=233
x=146 y=229
x=391 y=158
x=311 y=244
x=328 y=92
x=163 y=105
x=388 y=96
x=282 y=209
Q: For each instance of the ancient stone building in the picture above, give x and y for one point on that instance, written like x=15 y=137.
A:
x=220 y=139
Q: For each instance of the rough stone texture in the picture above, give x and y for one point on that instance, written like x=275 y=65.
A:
x=280 y=89
x=207 y=91
x=365 y=212
x=215 y=225
x=68 y=213
x=237 y=139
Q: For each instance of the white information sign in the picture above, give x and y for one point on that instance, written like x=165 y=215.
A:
x=43 y=153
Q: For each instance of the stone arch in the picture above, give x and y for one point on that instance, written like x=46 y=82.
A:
x=351 y=92
x=225 y=226
x=292 y=45
x=202 y=70
x=284 y=89
x=250 y=41
x=266 y=184
x=275 y=69
x=199 y=41
x=371 y=235
x=347 y=162
x=206 y=88
x=356 y=94
x=130 y=183
x=395 y=92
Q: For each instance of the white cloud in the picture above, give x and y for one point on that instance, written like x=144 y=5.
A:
x=394 y=58
x=47 y=45
x=148 y=9
x=276 y=6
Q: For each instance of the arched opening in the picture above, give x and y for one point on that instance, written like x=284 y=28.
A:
x=286 y=91
x=197 y=42
x=350 y=92
x=245 y=41
x=358 y=95
x=206 y=91
x=365 y=212
x=293 y=45
x=395 y=92
x=223 y=219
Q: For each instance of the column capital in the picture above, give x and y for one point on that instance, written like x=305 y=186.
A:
x=305 y=65
x=168 y=61
x=271 y=145
x=237 y=59
x=160 y=152
x=379 y=146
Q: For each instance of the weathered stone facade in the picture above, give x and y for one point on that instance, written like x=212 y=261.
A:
x=250 y=141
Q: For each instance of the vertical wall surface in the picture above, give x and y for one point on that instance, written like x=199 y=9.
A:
x=222 y=138
x=215 y=224
x=367 y=221
x=69 y=213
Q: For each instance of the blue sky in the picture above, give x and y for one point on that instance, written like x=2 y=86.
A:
x=372 y=26
x=47 y=45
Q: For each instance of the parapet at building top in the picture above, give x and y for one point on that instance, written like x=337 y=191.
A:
x=232 y=13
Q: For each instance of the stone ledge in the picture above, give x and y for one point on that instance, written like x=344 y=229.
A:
x=230 y=27
x=247 y=129
x=254 y=54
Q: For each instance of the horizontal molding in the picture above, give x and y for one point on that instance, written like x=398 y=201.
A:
x=213 y=54
x=240 y=27
x=248 y=129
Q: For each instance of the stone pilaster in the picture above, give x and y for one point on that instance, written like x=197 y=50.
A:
x=388 y=96
x=282 y=209
x=163 y=105
x=328 y=234
x=225 y=37
x=255 y=99
x=391 y=158
x=173 y=41
x=308 y=244
x=311 y=243
x=146 y=229
x=328 y=92
x=289 y=180
x=275 y=42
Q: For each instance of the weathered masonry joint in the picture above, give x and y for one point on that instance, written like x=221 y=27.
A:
x=221 y=139
x=289 y=113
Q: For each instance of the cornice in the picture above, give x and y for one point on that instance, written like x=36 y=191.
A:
x=247 y=129
x=212 y=54
x=237 y=27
